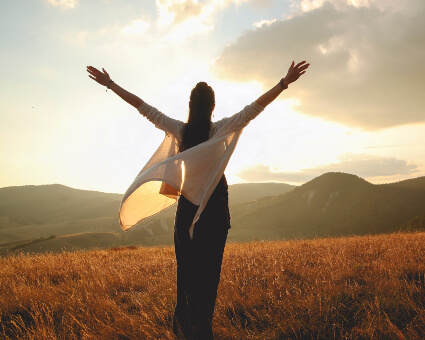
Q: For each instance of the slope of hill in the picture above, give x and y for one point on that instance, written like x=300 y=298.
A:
x=330 y=205
x=333 y=204
x=37 y=205
x=34 y=213
x=414 y=183
x=239 y=193
x=41 y=204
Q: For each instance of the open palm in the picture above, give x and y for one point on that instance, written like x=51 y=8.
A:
x=101 y=77
x=296 y=71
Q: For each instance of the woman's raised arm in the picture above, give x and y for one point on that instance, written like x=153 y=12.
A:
x=104 y=79
x=294 y=73
x=160 y=120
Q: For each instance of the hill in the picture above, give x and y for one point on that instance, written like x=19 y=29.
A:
x=30 y=215
x=36 y=205
x=42 y=204
x=239 y=193
x=369 y=287
x=333 y=204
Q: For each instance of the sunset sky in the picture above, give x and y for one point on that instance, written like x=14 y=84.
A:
x=360 y=108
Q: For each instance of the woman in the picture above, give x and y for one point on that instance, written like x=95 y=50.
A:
x=190 y=163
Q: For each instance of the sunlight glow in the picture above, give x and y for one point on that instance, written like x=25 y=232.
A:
x=136 y=27
x=182 y=19
x=68 y=4
x=59 y=126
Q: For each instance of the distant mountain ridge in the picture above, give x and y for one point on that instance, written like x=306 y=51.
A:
x=333 y=204
x=39 y=204
x=252 y=191
x=28 y=213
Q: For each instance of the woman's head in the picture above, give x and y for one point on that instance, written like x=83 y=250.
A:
x=201 y=106
x=202 y=100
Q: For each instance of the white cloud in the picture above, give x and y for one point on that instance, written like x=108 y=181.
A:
x=365 y=166
x=182 y=19
x=177 y=11
x=137 y=27
x=366 y=68
x=64 y=3
x=382 y=5
x=262 y=23
x=261 y=3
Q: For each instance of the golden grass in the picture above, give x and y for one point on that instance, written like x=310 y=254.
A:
x=369 y=287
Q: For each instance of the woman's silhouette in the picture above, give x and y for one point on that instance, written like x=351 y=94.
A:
x=199 y=251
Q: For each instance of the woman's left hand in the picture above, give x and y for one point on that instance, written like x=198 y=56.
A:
x=102 y=78
x=295 y=72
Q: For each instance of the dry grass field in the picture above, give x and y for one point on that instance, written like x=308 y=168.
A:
x=369 y=287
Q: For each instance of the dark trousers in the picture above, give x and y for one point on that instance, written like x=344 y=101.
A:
x=198 y=265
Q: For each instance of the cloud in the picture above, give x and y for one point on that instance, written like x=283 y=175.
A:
x=262 y=23
x=68 y=4
x=365 y=166
x=177 y=12
x=137 y=27
x=261 y=3
x=262 y=173
x=182 y=19
x=392 y=5
x=366 y=68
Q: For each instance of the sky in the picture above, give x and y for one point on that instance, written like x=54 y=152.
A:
x=359 y=109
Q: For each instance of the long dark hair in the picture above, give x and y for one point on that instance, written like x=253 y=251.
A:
x=197 y=128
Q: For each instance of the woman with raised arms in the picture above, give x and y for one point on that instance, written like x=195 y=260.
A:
x=188 y=167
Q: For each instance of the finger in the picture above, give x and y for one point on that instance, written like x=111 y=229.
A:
x=292 y=65
x=92 y=78
x=299 y=64
x=91 y=72
x=303 y=67
x=302 y=73
x=94 y=69
x=105 y=71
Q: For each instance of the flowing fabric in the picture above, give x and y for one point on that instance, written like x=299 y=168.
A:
x=193 y=173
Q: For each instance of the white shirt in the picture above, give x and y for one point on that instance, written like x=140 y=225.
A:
x=194 y=173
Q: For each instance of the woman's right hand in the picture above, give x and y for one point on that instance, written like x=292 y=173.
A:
x=102 y=78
